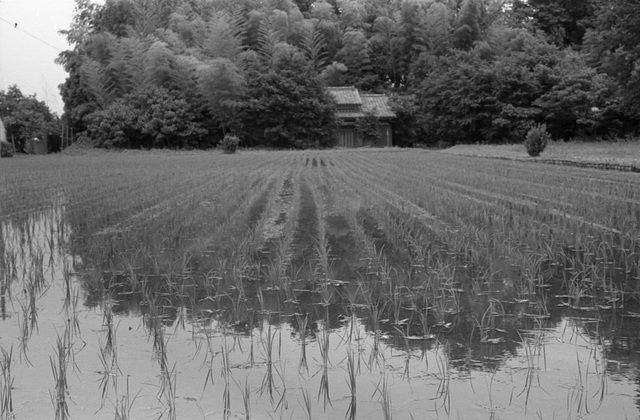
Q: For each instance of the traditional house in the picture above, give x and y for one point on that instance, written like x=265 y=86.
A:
x=353 y=105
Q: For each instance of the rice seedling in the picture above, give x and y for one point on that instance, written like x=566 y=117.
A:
x=302 y=326
x=6 y=385
x=375 y=312
x=168 y=380
x=352 y=383
x=382 y=389
x=108 y=373
x=323 y=347
x=59 y=366
x=283 y=402
x=307 y=403
x=24 y=333
x=268 y=383
x=246 y=399
x=407 y=358
x=208 y=359
x=444 y=374
x=226 y=376
x=124 y=406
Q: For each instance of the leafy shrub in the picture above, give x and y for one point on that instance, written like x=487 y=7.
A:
x=6 y=149
x=537 y=139
x=229 y=144
x=368 y=127
x=154 y=118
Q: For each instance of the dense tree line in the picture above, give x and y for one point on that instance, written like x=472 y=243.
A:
x=182 y=73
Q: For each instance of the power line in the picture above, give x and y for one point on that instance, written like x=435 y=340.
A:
x=16 y=26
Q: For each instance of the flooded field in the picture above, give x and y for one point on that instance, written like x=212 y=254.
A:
x=317 y=285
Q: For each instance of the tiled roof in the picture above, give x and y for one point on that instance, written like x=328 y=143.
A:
x=345 y=95
x=379 y=104
x=360 y=102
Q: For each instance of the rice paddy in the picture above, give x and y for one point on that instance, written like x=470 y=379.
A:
x=317 y=284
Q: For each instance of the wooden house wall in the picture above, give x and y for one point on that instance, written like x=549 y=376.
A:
x=348 y=136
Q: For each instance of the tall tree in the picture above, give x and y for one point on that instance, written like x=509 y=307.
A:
x=614 y=47
x=468 y=98
x=288 y=107
x=322 y=10
x=438 y=28
x=116 y=17
x=564 y=21
x=223 y=86
x=579 y=100
x=414 y=26
x=153 y=15
x=385 y=50
x=168 y=120
x=160 y=67
x=314 y=46
x=85 y=15
x=354 y=54
x=223 y=39
x=192 y=30
x=352 y=14
x=468 y=30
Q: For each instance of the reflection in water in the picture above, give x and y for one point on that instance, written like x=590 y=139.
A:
x=522 y=354
x=32 y=261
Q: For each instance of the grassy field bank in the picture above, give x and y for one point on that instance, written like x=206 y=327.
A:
x=605 y=155
x=317 y=284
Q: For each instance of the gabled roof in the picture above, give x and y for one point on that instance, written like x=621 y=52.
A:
x=345 y=95
x=365 y=102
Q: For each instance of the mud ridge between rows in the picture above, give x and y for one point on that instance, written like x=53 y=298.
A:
x=274 y=225
x=304 y=240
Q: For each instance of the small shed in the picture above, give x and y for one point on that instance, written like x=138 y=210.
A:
x=37 y=146
x=3 y=132
x=353 y=105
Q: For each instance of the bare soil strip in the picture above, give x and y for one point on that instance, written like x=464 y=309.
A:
x=345 y=263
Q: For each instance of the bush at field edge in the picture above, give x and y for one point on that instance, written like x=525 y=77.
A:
x=6 y=149
x=537 y=139
x=229 y=144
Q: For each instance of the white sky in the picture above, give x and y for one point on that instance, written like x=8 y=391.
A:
x=29 y=62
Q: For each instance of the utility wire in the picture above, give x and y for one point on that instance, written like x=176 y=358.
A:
x=15 y=26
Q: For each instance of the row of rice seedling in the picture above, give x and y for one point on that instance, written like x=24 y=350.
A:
x=510 y=216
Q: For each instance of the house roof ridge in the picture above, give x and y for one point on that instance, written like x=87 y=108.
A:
x=342 y=88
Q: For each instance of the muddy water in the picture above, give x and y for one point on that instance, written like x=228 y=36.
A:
x=227 y=355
